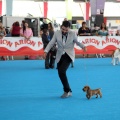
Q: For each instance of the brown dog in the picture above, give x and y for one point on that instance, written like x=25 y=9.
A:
x=90 y=93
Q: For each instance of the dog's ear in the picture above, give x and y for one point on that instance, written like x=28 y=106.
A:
x=88 y=87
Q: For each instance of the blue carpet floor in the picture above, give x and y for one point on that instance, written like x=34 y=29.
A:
x=29 y=92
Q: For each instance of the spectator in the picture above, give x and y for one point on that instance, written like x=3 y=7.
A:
x=94 y=32
x=118 y=31
x=27 y=33
x=84 y=31
x=50 y=58
x=15 y=30
x=2 y=34
x=103 y=32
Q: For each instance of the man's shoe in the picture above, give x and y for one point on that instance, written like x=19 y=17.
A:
x=66 y=95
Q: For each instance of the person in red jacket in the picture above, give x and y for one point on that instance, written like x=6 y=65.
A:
x=15 y=30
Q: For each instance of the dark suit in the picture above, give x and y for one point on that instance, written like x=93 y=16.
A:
x=50 y=58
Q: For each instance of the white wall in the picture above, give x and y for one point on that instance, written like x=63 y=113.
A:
x=112 y=9
x=22 y=8
x=55 y=9
x=3 y=7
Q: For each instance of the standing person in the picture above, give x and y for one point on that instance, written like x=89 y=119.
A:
x=26 y=32
x=45 y=40
x=50 y=58
x=65 y=39
x=2 y=34
x=51 y=30
x=53 y=49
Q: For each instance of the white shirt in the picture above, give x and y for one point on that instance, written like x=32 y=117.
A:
x=64 y=39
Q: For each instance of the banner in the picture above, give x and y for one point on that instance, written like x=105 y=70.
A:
x=17 y=46
x=21 y=46
x=98 y=45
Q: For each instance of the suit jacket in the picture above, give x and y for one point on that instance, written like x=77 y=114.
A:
x=68 y=47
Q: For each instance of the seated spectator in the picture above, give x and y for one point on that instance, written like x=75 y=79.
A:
x=84 y=31
x=94 y=32
x=15 y=30
x=2 y=35
x=103 y=32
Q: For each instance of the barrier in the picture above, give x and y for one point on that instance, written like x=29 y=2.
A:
x=16 y=46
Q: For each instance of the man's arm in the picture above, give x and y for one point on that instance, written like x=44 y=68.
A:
x=78 y=43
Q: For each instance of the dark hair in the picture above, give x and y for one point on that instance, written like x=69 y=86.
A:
x=45 y=31
x=51 y=27
x=24 y=27
x=83 y=23
x=66 y=24
x=101 y=27
x=17 y=23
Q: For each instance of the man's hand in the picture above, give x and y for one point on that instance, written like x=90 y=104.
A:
x=85 y=49
x=44 y=55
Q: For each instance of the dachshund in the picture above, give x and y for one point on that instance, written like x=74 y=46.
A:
x=90 y=93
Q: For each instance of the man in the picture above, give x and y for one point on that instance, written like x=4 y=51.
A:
x=65 y=54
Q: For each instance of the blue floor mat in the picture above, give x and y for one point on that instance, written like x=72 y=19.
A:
x=30 y=92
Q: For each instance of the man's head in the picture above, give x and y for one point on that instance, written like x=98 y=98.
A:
x=65 y=19
x=65 y=27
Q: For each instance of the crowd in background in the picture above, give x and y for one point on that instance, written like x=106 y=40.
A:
x=47 y=32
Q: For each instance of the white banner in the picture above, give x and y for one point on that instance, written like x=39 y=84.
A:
x=35 y=43
x=15 y=43
x=99 y=42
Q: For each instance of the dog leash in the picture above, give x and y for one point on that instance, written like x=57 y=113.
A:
x=86 y=73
